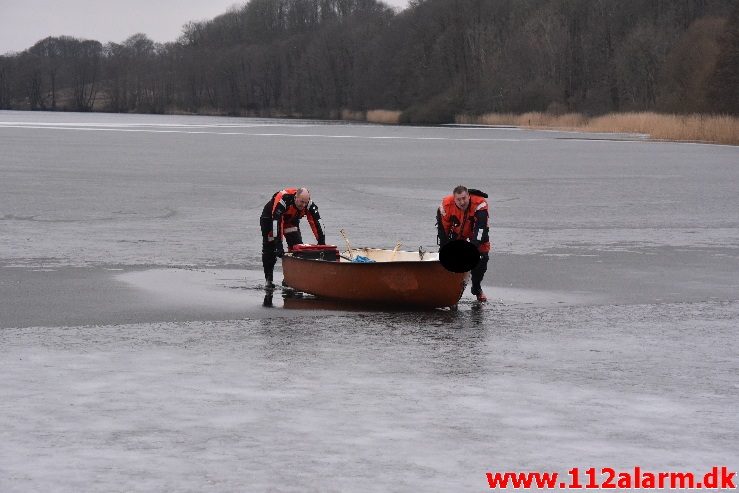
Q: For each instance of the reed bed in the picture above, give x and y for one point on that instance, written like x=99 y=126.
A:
x=720 y=129
x=384 y=116
x=356 y=116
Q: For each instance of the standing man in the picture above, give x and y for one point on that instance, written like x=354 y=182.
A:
x=464 y=215
x=281 y=217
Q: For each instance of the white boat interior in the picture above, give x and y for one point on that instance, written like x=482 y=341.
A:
x=395 y=255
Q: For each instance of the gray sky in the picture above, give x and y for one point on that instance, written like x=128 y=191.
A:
x=23 y=22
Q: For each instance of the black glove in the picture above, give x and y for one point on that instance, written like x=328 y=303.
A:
x=279 y=249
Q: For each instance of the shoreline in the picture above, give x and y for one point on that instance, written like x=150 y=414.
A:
x=709 y=129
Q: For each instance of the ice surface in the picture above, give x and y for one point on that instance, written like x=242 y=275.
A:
x=368 y=402
x=137 y=356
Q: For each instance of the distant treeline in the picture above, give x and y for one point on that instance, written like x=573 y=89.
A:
x=431 y=61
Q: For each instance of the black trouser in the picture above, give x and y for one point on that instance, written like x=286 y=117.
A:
x=269 y=257
x=478 y=273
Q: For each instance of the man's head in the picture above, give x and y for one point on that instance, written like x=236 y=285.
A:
x=461 y=197
x=302 y=197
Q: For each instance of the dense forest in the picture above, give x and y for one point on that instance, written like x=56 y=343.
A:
x=431 y=61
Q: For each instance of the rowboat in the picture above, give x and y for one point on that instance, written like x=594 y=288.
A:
x=393 y=278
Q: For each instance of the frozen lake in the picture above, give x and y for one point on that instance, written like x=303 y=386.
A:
x=137 y=356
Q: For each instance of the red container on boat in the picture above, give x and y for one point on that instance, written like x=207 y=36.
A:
x=315 y=252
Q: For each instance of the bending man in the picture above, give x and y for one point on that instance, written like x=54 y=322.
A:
x=281 y=217
x=463 y=215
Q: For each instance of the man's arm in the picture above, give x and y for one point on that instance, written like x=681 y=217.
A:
x=480 y=233
x=442 y=235
x=314 y=219
x=279 y=209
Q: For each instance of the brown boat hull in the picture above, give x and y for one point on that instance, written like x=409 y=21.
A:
x=412 y=284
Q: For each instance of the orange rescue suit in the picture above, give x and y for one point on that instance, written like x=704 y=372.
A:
x=470 y=224
x=288 y=216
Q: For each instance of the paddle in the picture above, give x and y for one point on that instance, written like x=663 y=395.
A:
x=395 y=251
x=348 y=245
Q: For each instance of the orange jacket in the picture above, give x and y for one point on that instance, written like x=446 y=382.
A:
x=471 y=224
x=287 y=216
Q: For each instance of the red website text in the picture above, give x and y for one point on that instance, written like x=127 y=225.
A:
x=609 y=478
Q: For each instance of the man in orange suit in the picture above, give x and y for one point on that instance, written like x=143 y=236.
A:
x=464 y=215
x=281 y=217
